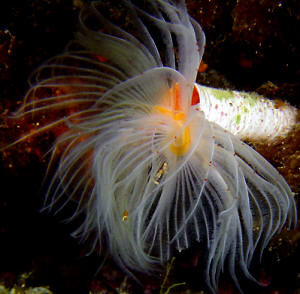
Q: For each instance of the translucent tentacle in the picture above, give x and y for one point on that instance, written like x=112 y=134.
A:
x=149 y=172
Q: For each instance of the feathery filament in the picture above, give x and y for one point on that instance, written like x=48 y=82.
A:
x=136 y=153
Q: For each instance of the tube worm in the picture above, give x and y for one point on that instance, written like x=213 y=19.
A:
x=247 y=115
x=140 y=151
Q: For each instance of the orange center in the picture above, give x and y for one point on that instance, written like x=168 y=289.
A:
x=180 y=135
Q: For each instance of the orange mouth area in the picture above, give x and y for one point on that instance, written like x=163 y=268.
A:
x=179 y=134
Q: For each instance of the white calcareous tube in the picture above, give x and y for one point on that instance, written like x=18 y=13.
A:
x=247 y=115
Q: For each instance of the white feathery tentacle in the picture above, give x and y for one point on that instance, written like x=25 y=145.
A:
x=150 y=171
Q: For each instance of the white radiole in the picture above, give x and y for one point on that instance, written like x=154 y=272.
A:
x=153 y=161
